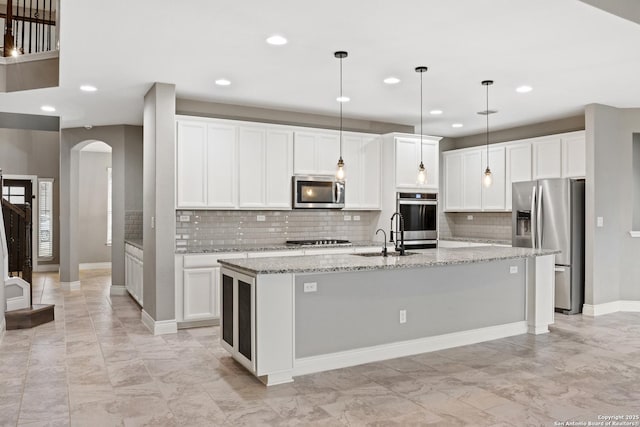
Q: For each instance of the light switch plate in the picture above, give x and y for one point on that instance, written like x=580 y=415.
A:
x=469 y=217
x=185 y=218
x=261 y=218
x=599 y=221
x=311 y=287
x=513 y=269
x=347 y=217
x=356 y=217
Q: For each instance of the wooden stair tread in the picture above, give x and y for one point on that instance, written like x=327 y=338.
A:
x=25 y=318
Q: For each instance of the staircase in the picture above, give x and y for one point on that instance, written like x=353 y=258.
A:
x=16 y=253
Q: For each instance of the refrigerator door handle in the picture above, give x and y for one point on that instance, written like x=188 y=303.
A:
x=539 y=218
x=533 y=218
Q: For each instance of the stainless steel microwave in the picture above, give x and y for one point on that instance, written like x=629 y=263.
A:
x=318 y=192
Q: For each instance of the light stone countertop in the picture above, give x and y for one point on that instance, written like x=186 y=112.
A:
x=264 y=247
x=352 y=262
x=478 y=240
x=135 y=242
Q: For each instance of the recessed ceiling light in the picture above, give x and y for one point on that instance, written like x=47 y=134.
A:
x=457 y=125
x=343 y=99
x=223 y=82
x=277 y=40
x=392 y=80
x=48 y=108
x=524 y=89
x=435 y=112
x=88 y=88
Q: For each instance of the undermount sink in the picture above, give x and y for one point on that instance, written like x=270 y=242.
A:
x=390 y=253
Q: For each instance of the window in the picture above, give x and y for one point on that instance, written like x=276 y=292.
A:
x=14 y=195
x=45 y=218
x=109 y=207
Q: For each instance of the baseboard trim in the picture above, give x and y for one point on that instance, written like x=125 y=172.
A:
x=159 y=327
x=3 y=327
x=198 y=323
x=95 y=265
x=70 y=286
x=610 y=307
x=343 y=359
x=47 y=268
x=118 y=290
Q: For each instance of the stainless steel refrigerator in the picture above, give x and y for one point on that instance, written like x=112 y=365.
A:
x=549 y=213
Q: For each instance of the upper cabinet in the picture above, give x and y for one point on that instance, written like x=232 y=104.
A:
x=552 y=156
x=205 y=165
x=361 y=156
x=315 y=152
x=265 y=167
x=408 y=156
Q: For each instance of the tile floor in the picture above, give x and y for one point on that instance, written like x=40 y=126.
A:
x=97 y=365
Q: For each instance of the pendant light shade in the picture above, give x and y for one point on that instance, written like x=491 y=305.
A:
x=340 y=167
x=487 y=179
x=422 y=173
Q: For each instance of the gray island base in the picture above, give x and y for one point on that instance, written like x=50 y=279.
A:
x=284 y=317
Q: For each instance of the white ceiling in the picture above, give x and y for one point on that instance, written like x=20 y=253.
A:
x=571 y=54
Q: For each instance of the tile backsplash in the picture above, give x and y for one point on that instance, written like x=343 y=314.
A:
x=489 y=225
x=133 y=225
x=199 y=229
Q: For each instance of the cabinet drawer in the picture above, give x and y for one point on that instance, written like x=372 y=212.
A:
x=209 y=260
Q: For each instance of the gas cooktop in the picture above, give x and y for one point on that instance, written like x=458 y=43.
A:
x=319 y=242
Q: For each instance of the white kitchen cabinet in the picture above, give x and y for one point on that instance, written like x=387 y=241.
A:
x=574 y=155
x=518 y=167
x=315 y=153
x=361 y=155
x=547 y=157
x=205 y=165
x=200 y=287
x=472 y=173
x=453 y=181
x=133 y=271
x=265 y=168
x=493 y=197
x=408 y=161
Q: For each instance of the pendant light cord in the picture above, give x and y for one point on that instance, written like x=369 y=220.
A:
x=341 y=102
x=487 y=111
x=421 y=118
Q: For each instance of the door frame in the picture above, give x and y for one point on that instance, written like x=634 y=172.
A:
x=34 y=215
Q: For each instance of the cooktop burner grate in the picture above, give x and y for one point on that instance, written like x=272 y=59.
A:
x=319 y=242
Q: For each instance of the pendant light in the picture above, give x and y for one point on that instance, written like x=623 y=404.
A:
x=422 y=173
x=487 y=179
x=340 y=171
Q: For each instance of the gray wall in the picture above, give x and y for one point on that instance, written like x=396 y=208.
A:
x=33 y=152
x=361 y=309
x=612 y=267
x=636 y=181
x=159 y=223
x=71 y=141
x=627 y=9
x=294 y=118
x=92 y=214
x=26 y=75
x=133 y=168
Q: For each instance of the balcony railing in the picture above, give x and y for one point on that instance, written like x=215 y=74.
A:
x=30 y=26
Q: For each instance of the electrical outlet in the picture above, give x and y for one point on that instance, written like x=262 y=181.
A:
x=311 y=287
x=261 y=218
x=347 y=217
x=513 y=269
x=356 y=217
x=469 y=217
x=599 y=221
x=403 y=316
x=185 y=218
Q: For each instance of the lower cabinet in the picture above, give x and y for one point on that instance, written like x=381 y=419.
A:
x=200 y=293
x=133 y=271
x=238 y=322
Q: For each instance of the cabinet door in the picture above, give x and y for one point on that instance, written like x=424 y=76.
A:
x=354 y=163
x=221 y=166
x=547 y=158
x=372 y=173
x=327 y=153
x=251 y=168
x=304 y=153
x=472 y=173
x=200 y=297
x=407 y=162
x=278 y=168
x=430 y=158
x=228 y=311
x=518 y=167
x=315 y=153
x=574 y=156
x=191 y=166
x=493 y=197
x=453 y=197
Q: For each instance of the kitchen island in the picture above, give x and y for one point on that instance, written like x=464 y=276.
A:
x=283 y=317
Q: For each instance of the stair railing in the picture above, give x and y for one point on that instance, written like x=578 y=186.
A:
x=29 y=26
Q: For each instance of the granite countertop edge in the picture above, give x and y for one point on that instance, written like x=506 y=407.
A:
x=353 y=262
x=478 y=240
x=269 y=247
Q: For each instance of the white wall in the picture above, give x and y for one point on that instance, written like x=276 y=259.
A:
x=92 y=213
